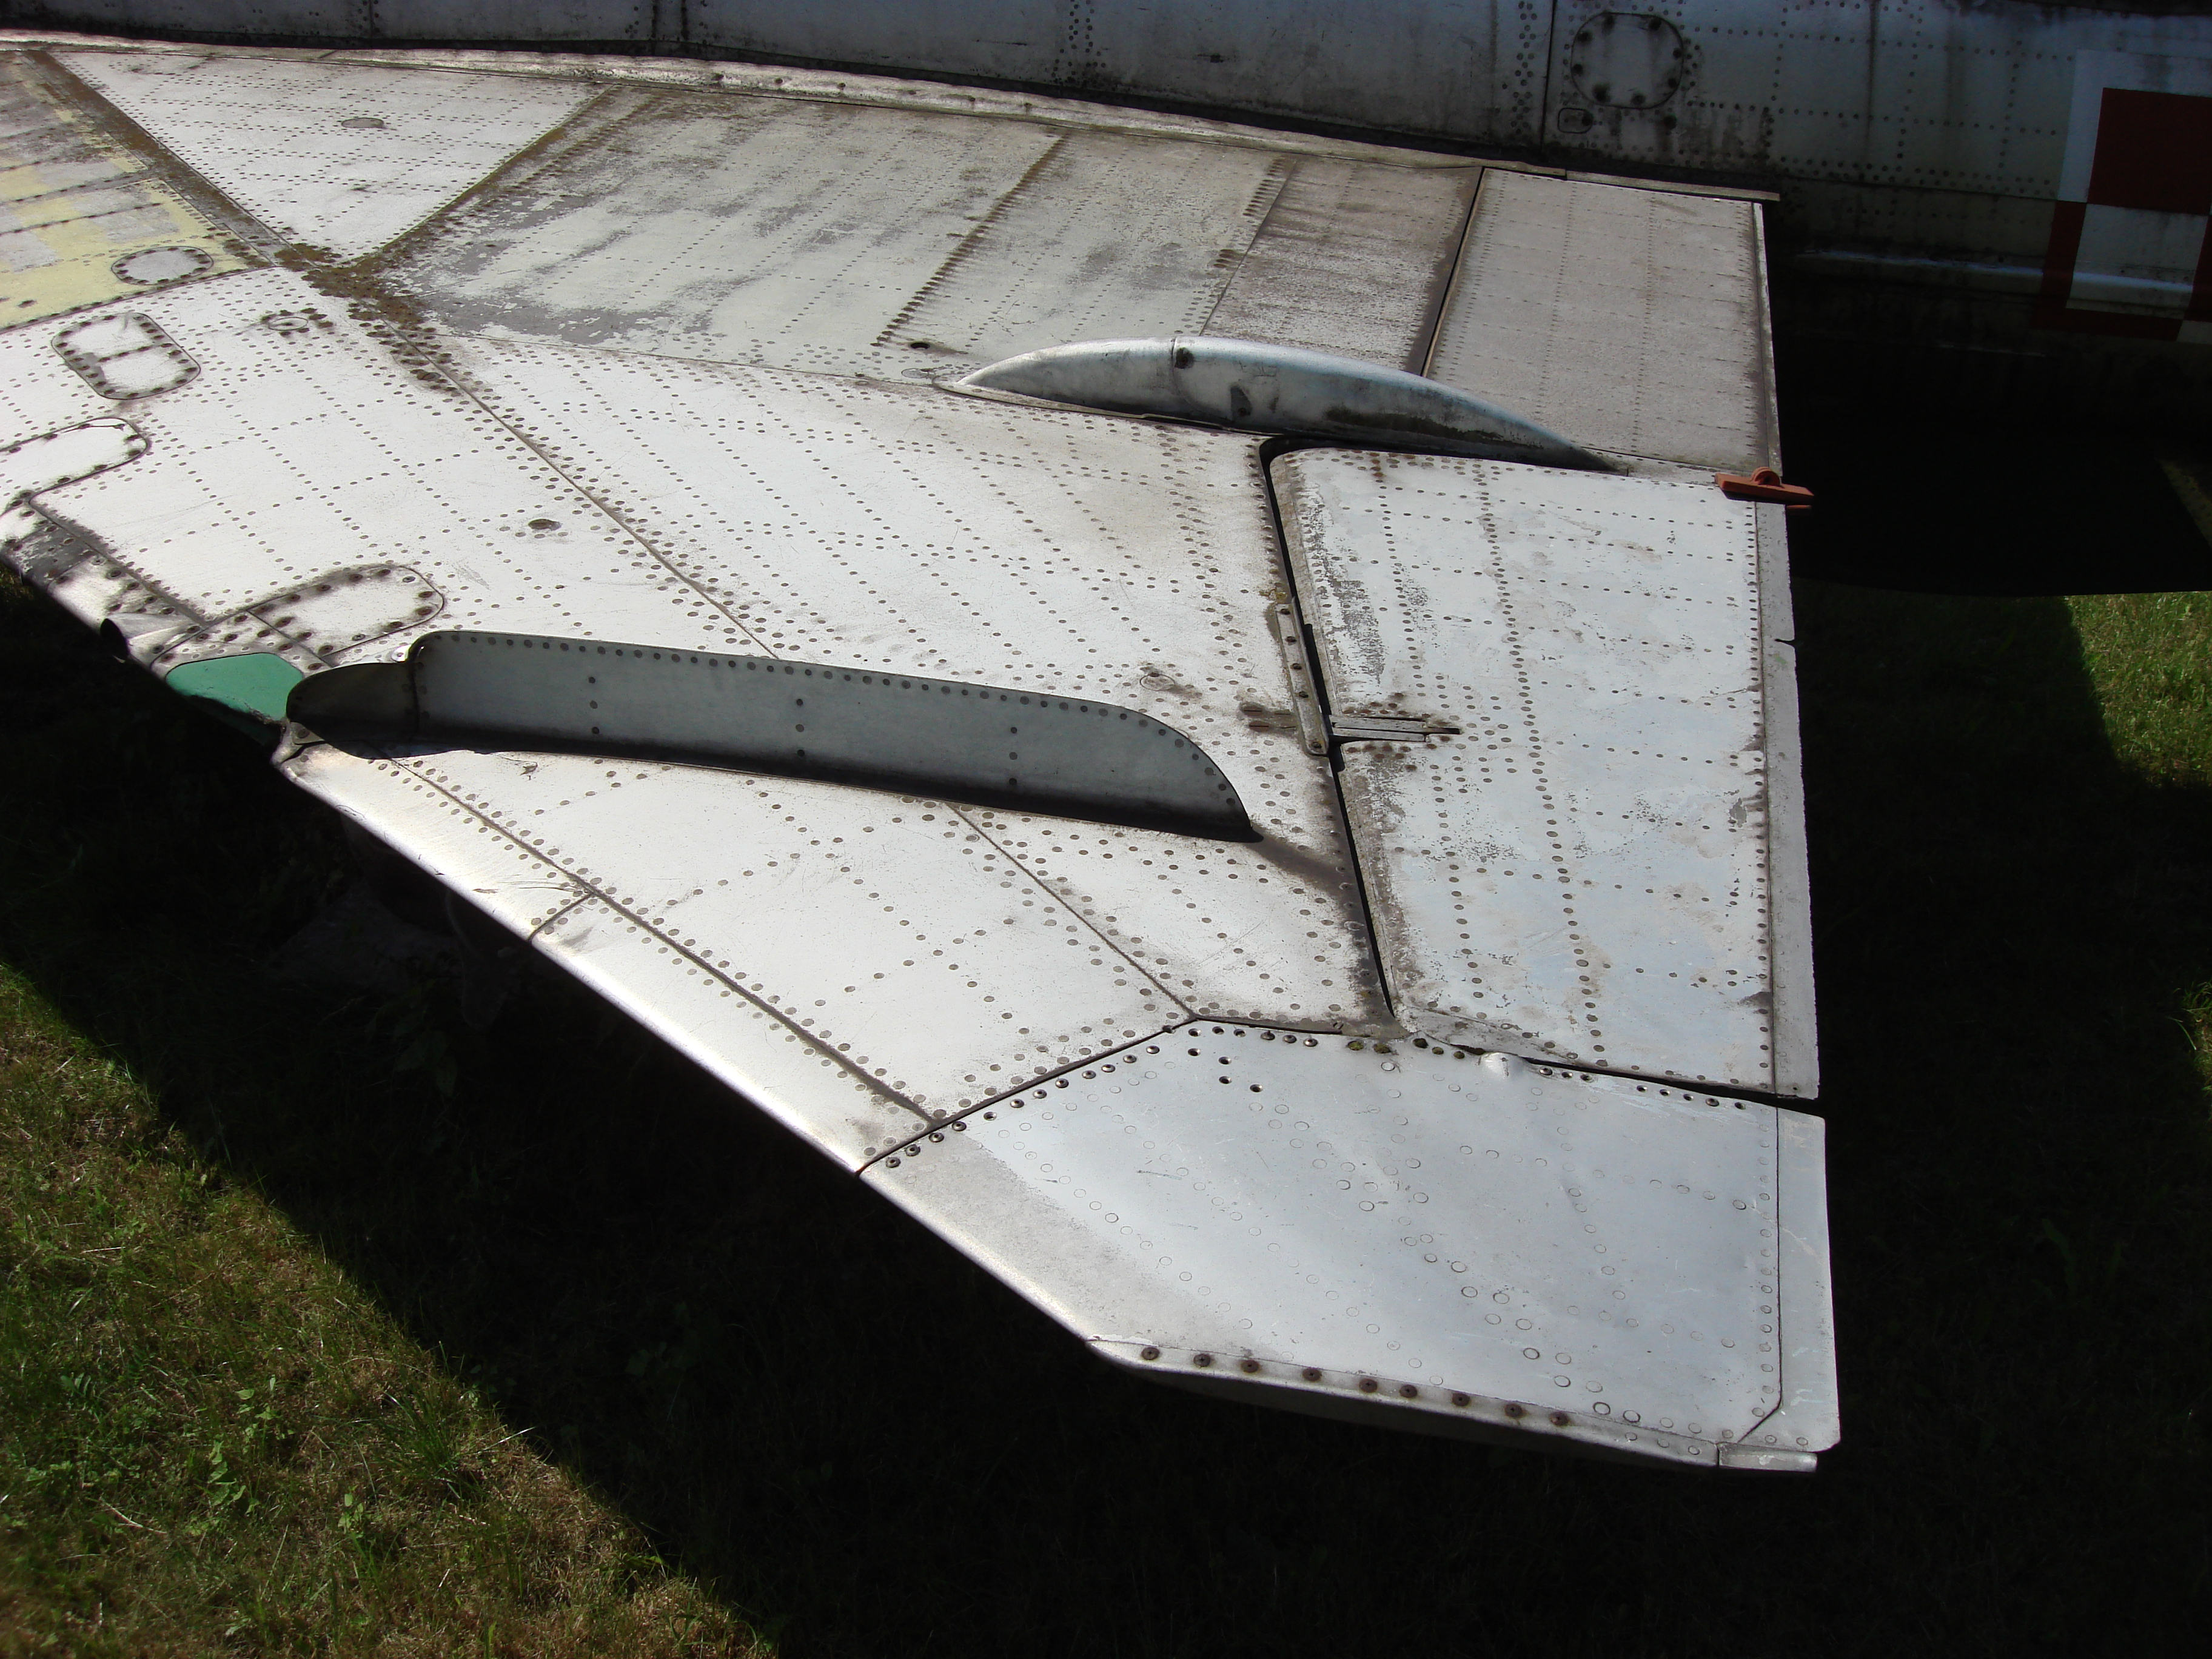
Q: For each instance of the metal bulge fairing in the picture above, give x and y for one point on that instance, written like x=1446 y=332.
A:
x=1180 y=698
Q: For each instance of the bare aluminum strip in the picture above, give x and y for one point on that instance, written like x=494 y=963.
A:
x=1298 y=671
x=1583 y=871
x=1473 y=1247
x=1375 y=728
x=990 y=744
x=1632 y=320
x=1789 y=877
x=1809 y=1416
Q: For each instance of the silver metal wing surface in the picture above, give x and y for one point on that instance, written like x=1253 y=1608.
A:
x=1297 y=868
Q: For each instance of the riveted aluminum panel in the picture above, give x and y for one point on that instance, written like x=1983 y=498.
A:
x=1110 y=235
x=731 y=227
x=502 y=874
x=1631 y=320
x=1352 y=259
x=1466 y=66
x=1921 y=93
x=854 y=961
x=1583 y=870
x=780 y=516
x=307 y=443
x=1423 y=64
x=1460 y=1245
x=555 y=487
x=342 y=157
x=848 y=237
x=1044 y=549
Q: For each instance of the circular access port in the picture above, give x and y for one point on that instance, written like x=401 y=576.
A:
x=161 y=265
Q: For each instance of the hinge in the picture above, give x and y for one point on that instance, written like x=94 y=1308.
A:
x=1305 y=697
x=1387 y=728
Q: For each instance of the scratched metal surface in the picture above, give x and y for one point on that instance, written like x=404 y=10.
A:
x=277 y=449
x=78 y=216
x=1629 y=320
x=949 y=973
x=1584 y=869
x=340 y=158
x=1934 y=127
x=852 y=239
x=870 y=526
x=1474 y=1245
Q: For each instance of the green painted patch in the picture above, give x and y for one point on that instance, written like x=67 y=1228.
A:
x=256 y=683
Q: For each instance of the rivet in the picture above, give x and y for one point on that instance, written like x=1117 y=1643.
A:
x=1312 y=1373
x=1409 y=1392
x=1368 y=1385
x=1460 y=1400
x=1201 y=1360
x=1250 y=1367
x=1149 y=1354
x=1517 y=1411
x=1560 y=1419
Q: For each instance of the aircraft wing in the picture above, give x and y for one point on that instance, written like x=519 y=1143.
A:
x=1279 y=834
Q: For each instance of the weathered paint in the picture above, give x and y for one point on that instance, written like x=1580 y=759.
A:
x=82 y=219
x=1939 y=125
x=256 y=683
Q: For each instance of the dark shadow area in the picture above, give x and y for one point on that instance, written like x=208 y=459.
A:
x=1923 y=482
x=830 y=1418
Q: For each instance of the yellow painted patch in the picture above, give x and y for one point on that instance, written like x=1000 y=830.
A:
x=75 y=206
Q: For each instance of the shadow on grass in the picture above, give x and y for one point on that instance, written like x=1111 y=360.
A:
x=829 y=1417
x=1919 y=490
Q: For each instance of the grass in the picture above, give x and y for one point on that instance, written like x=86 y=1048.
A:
x=606 y=1364
x=215 y=1437
x=2149 y=656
